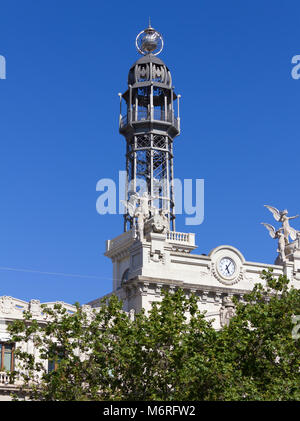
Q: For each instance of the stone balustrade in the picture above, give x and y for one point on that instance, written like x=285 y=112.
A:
x=171 y=236
x=4 y=378
x=181 y=238
x=13 y=308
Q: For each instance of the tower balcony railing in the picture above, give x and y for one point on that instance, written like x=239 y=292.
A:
x=145 y=115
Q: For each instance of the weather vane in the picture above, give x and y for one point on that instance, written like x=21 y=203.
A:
x=149 y=41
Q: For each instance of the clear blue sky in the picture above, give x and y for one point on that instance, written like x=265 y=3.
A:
x=66 y=62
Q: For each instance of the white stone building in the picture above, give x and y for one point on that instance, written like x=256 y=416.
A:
x=150 y=254
x=12 y=309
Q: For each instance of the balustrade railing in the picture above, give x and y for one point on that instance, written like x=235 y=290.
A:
x=181 y=237
x=4 y=378
x=145 y=115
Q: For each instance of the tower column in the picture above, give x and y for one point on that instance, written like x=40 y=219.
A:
x=150 y=128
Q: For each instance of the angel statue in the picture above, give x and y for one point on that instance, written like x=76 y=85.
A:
x=282 y=217
x=281 y=239
x=138 y=207
x=140 y=224
x=142 y=202
x=131 y=204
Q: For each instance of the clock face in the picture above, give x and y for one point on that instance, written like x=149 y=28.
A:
x=227 y=267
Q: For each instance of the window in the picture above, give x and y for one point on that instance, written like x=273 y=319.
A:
x=6 y=356
x=53 y=365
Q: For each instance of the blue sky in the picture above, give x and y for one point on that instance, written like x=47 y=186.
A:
x=66 y=63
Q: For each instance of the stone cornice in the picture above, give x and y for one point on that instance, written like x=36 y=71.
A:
x=184 y=285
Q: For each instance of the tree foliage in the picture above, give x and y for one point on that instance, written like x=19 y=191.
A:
x=173 y=353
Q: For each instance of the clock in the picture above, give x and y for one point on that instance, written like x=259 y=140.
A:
x=226 y=267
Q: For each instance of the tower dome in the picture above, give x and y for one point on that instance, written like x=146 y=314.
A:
x=149 y=68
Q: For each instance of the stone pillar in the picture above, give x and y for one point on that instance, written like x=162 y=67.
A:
x=288 y=269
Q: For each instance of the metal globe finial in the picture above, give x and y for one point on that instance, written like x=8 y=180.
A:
x=149 y=41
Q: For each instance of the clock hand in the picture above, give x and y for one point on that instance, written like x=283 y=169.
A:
x=227 y=266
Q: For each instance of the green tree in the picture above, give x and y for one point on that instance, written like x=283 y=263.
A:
x=173 y=353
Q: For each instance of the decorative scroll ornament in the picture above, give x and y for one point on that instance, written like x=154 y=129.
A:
x=158 y=73
x=149 y=41
x=143 y=73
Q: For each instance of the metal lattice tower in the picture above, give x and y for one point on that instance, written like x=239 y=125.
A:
x=150 y=126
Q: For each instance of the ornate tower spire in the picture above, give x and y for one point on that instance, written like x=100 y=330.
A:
x=149 y=126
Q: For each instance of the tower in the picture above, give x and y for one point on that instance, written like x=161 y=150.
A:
x=149 y=125
x=151 y=256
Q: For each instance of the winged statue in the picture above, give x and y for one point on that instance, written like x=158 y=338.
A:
x=138 y=208
x=281 y=216
x=281 y=238
x=131 y=204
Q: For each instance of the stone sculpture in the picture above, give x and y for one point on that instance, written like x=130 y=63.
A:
x=286 y=248
x=138 y=207
x=282 y=217
x=160 y=222
x=281 y=239
x=227 y=311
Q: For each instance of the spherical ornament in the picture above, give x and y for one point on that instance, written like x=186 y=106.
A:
x=149 y=41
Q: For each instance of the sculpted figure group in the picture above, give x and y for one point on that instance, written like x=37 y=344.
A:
x=284 y=233
x=139 y=209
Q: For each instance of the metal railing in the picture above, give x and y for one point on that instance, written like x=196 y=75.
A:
x=145 y=115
